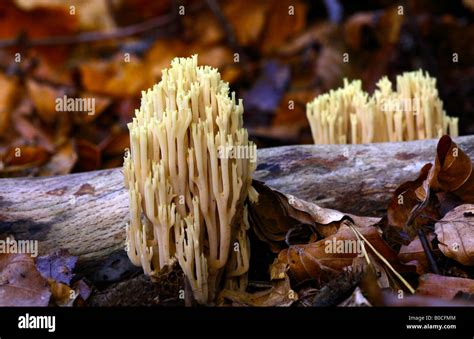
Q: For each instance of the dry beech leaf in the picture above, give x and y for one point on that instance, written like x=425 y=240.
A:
x=453 y=171
x=443 y=287
x=62 y=294
x=286 y=18
x=247 y=19
x=44 y=99
x=321 y=259
x=416 y=203
x=276 y=213
x=93 y=15
x=8 y=96
x=404 y=200
x=31 y=132
x=414 y=254
x=280 y=294
x=100 y=104
x=456 y=234
x=62 y=162
x=89 y=156
x=23 y=158
x=116 y=78
x=384 y=28
x=20 y=283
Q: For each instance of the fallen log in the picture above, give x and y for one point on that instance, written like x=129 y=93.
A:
x=86 y=213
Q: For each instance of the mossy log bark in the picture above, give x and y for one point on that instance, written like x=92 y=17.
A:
x=86 y=213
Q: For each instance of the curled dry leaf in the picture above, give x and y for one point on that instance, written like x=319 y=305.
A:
x=443 y=287
x=276 y=213
x=280 y=294
x=321 y=259
x=456 y=234
x=452 y=171
x=416 y=203
x=20 y=283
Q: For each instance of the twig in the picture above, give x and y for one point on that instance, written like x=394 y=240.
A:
x=427 y=249
x=385 y=261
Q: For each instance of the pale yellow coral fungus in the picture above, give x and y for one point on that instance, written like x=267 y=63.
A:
x=186 y=200
x=412 y=111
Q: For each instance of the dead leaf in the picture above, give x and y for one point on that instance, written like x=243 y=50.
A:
x=280 y=294
x=321 y=259
x=456 y=234
x=414 y=254
x=247 y=19
x=62 y=294
x=20 y=283
x=62 y=162
x=453 y=171
x=89 y=156
x=116 y=78
x=44 y=99
x=8 y=97
x=443 y=287
x=57 y=266
x=276 y=213
x=22 y=158
x=93 y=15
x=383 y=28
x=285 y=19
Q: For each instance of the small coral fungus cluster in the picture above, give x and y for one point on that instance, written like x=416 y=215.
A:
x=187 y=201
x=350 y=115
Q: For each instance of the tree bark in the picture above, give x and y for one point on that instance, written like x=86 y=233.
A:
x=86 y=213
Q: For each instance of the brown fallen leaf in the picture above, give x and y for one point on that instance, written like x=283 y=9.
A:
x=62 y=294
x=62 y=162
x=452 y=171
x=286 y=18
x=8 y=97
x=419 y=202
x=276 y=213
x=383 y=28
x=443 y=287
x=247 y=19
x=20 y=283
x=89 y=156
x=116 y=78
x=414 y=254
x=321 y=259
x=21 y=158
x=456 y=234
x=44 y=98
x=280 y=294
